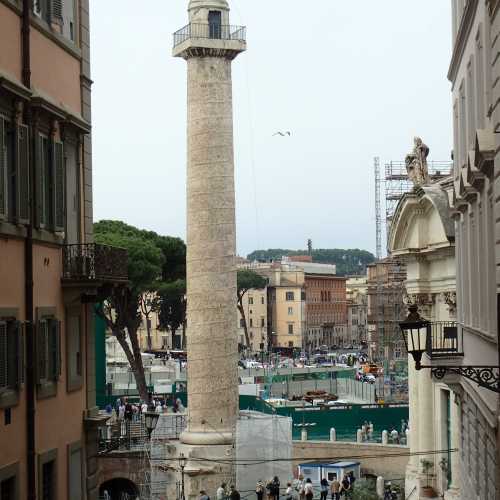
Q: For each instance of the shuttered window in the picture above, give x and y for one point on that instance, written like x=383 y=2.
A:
x=48 y=350
x=11 y=355
x=3 y=169
x=58 y=186
x=23 y=204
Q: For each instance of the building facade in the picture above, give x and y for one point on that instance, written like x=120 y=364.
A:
x=385 y=309
x=422 y=235
x=255 y=307
x=473 y=72
x=50 y=270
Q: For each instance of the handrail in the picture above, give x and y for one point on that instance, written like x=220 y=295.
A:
x=210 y=31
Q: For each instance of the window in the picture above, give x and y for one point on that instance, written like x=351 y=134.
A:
x=262 y=322
x=289 y=296
x=251 y=322
x=75 y=471
x=11 y=360
x=303 y=295
x=215 y=23
x=49 y=10
x=290 y=344
x=49 y=173
x=48 y=352
x=242 y=323
x=290 y=311
x=290 y=328
x=9 y=482
x=14 y=154
x=262 y=300
x=250 y=301
x=48 y=480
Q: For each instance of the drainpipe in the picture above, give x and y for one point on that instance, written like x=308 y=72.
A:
x=28 y=268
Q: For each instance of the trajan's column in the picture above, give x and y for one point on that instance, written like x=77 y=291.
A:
x=209 y=44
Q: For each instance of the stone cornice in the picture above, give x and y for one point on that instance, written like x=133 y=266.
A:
x=462 y=37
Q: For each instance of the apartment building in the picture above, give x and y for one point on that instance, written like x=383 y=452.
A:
x=50 y=271
x=357 y=310
x=255 y=307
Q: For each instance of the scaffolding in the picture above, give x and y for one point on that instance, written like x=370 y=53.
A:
x=378 y=207
x=397 y=182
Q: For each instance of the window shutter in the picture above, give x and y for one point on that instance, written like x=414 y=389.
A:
x=56 y=9
x=58 y=189
x=3 y=355
x=20 y=354
x=55 y=349
x=12 y=356
x=42 y=351
x=3 y=171
x=23 y=175
x=39 y=181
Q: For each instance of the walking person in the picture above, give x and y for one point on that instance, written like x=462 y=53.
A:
x=299 y=487
x=324 y=489
x=259 y=490
x=234 y=494
x=289 y=492
x=203 y=495
x=221 y=492
x=335 y=488
x=309 y=490
x=275 y=488
x=345 y=487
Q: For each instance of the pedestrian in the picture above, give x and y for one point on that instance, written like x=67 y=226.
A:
x=129 y=410
x=335 y=488
x=395 y=436
x=289 y=492
x=234 y=494
x=221 y=492
x=345 y=487
x=299 y=487
x=370 y=430
x=309 y=490
x=259 y=490
x=324 y=489
x=269 y=489
x=351 y=479
x=203 y=495
x=144 y=407
x=275 y=488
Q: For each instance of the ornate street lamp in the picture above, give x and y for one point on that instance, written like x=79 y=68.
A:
x=150 y=421
x=417 y=334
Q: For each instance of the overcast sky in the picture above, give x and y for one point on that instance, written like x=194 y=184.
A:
x=350 y=79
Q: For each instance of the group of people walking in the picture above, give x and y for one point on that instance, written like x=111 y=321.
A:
x=303 y=489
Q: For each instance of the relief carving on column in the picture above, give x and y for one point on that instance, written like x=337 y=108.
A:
x=424 y=301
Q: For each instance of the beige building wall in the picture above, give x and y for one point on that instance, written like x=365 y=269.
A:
x=288 y=316
x=255 y=307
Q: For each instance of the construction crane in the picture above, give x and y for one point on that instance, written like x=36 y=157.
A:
x=378 y=208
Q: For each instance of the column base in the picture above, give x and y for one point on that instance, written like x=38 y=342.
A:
x=207 y=467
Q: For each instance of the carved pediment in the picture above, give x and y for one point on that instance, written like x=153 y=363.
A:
x=485 y=151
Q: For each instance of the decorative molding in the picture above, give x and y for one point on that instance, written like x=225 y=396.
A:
x=462 y=36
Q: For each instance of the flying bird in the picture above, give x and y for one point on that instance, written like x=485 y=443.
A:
x=283 y=133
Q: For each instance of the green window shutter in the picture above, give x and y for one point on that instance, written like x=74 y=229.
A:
x=40 y=165
x=3 y=170
x=3 y=355
x=54 y=349
x=20 y=353
x=23 y=175
x=42 y=351
x=58 y=189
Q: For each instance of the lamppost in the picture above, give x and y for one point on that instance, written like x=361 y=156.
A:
x=182 y=465
x=150 y=421
x=417 y=334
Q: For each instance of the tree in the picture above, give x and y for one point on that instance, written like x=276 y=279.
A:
x=247 y=280
x=151 y=257
x=172 y=308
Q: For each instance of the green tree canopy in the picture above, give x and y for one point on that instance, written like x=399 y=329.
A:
x=348 y=262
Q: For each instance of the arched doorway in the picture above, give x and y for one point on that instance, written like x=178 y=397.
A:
x=119 y=489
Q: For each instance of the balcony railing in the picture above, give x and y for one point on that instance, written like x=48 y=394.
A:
x=94 y=262
x=210 y=32
x=445 y=340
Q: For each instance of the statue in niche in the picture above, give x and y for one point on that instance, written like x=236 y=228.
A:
x=416 y=163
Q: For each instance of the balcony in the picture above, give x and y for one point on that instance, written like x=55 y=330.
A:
x=91 y=263
x=444 y=341
x=209 y=38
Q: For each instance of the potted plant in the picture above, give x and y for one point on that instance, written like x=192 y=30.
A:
x=427 y=491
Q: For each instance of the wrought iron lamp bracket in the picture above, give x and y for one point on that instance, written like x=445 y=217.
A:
x=485 y=376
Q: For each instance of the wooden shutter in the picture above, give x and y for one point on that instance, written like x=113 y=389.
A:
x=3 y=355
x=12 y=356
x=20 y=353
x=42 y=350
x=58 y=189
x=54 y=349
x=3 y=170
x=23 y=175
x=40 y=163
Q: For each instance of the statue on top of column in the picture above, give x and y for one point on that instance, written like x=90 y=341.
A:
x=416 y=163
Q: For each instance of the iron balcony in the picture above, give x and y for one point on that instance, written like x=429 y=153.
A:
x=210 y=32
